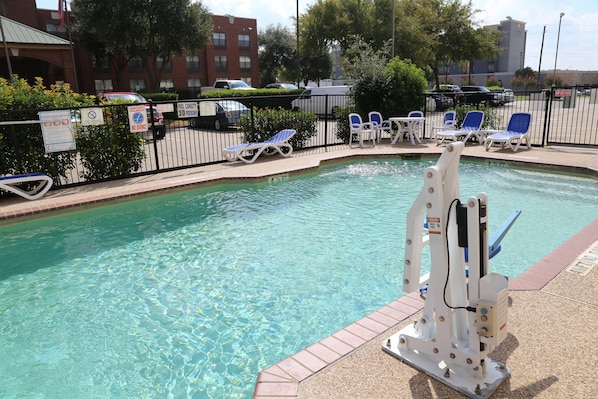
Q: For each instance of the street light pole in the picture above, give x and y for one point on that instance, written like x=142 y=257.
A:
x=298 y=56
x=393 y=29
x=558 y=37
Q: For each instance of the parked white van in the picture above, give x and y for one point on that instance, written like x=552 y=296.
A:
x=322 y=100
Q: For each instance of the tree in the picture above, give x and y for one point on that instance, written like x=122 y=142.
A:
x=526 y=73
x=428 y=32
x=148 y=29
x=276 y=52
x=315 y=67
x=392 y=87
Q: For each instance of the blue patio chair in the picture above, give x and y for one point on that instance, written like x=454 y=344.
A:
x=360 y=130
x=380 y=125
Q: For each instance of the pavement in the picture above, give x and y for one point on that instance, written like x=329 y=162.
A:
x=550 y=349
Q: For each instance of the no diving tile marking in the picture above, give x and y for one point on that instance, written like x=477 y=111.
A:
x=585 y=262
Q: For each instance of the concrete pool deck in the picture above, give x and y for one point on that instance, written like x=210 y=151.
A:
x=551 y=347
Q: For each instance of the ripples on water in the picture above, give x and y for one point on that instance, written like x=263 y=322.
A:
x=192 y=294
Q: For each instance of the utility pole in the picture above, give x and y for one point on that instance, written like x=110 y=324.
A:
x=5 y=48
x=540 y=64
x=558 y=37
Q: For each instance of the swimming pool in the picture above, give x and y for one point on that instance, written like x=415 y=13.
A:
x=191 y=294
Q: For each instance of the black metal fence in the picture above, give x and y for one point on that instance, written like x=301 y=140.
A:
x=561 y=116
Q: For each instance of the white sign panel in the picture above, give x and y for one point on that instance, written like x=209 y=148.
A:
x=207 y=108
x=137 y=118
x=187 y=110
x=168 y=107
x=57 y=130
x=92 y=116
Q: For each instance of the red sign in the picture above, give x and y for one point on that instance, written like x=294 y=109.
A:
x=562 y=93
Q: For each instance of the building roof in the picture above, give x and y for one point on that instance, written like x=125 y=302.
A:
x=18 y=33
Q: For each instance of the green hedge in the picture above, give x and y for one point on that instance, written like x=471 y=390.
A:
x=260 y=98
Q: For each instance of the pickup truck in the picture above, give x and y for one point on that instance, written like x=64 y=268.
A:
x=476 y=95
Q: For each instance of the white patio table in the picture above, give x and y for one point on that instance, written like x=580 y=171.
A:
x=412 y=131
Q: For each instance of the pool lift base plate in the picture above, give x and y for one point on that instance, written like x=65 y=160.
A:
x=475 y=388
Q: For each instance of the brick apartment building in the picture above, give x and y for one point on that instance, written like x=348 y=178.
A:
x=37 y=45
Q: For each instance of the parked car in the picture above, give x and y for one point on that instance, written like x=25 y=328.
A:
x=452 y=91
x=443 y=102
x=509 y=96
x=158 y=121
x=227 y=114
x=288 y=86
x=476 y=95
x=232 y=85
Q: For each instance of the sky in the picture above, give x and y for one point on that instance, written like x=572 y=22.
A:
x=577 y=49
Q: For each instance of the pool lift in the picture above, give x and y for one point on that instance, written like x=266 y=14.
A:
x=465 y=315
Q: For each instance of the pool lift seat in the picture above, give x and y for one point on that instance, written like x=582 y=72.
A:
x=464 y=318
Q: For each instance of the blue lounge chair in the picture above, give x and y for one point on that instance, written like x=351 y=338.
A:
x=469 y=128
x=249 y=152
x=516 y=133
x=10 y=183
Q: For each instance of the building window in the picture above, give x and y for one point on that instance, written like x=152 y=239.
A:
x=166 y=84
x=193 y=83
x=192 y=63
x=244 y=42
x=221 y=63
x=137 y=85
x=245 y=63
x=162 y=64
x=135 y=64
x=100 y=62
x=219 y=40
x=103 y=85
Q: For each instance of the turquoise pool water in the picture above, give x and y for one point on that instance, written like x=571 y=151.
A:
x=190 y=295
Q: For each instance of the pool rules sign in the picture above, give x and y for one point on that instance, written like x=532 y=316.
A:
x=57 y=130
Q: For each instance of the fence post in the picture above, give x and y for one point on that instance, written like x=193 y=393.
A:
x=152 y=127
x=326 y=120
x=547 y=111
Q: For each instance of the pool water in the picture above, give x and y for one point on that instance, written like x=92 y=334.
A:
x=190 y=295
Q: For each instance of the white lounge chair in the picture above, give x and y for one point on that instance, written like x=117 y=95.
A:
x=469 y=128
x=10 y=183
x=249 y=152
x=514 y=135
x=360 y=130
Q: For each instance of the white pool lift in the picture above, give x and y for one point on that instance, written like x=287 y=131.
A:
x=464 y=316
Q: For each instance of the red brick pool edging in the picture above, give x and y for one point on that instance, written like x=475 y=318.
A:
x=283 y=379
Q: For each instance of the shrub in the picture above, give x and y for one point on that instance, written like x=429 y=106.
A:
x=491 y=118
x=266 y=123
x=342 y=124
x=22 y=146
x=110 y=150
x=407 y=86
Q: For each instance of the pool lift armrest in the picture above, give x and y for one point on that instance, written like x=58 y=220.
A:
x=463 y=318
